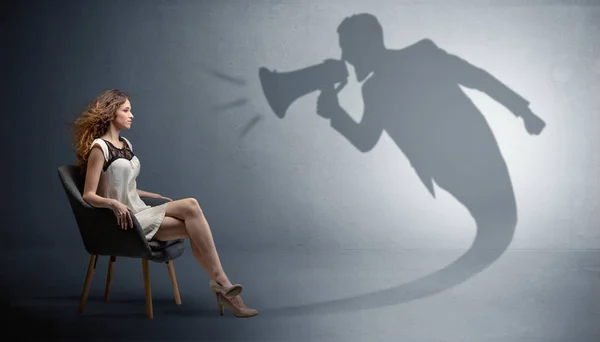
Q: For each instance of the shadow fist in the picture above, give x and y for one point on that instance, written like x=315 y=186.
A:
x=533 y=123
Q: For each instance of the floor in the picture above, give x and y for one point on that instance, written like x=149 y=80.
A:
x=343 y=295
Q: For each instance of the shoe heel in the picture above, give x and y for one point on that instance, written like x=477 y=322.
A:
x=221 y=309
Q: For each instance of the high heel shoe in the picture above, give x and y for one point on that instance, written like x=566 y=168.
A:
x=231 y=291
x=240 y=312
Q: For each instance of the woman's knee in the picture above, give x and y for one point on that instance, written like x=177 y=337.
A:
x=192 y=207
x=184 y=209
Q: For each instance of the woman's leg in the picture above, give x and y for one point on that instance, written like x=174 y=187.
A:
x=184 y=219
x=173 y=228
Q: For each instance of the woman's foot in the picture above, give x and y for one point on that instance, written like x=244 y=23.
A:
x=236 y=305
x=227 y=290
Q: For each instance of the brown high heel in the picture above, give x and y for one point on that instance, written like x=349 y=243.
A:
x=245 y=312
x=231 y=291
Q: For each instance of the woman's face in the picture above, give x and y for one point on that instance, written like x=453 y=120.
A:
x=123 y=116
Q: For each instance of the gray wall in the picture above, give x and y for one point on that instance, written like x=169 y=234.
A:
x=203 y=128
x=340 y=230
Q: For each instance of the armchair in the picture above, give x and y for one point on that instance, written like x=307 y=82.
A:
x=102 y=236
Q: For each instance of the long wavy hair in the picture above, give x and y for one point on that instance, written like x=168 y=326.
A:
x=94 y=121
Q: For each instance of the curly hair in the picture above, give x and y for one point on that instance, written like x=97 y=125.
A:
x=94 y=121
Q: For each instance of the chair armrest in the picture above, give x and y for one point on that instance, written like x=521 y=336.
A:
x=153 y=202
x=103 y=236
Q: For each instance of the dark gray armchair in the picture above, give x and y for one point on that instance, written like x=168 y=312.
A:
x=102 y=236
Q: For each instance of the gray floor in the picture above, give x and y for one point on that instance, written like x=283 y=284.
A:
x=347 y=295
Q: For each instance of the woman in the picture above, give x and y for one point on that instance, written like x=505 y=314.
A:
x=111 y=169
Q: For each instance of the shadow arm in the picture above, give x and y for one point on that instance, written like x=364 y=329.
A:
x=363 y=135
x=476 y=78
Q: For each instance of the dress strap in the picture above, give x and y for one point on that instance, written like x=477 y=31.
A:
x=103 y=146
x=128 y=143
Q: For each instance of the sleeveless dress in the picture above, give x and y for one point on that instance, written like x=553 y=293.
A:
x=118 y=181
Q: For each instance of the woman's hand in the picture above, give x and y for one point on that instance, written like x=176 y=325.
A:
x=153 y=195
x=165 y=198
x=123 y=214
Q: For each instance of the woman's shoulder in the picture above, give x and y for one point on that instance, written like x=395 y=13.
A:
x=128 y=143
x=100 y=142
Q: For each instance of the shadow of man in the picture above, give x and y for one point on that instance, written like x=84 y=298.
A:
x=414 y=95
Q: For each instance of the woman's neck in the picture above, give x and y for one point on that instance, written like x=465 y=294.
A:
x=112 y=134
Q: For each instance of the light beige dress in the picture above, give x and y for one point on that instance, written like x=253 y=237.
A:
x=118 y=181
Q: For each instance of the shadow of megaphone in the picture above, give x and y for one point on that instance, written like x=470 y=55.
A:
x=281 y=89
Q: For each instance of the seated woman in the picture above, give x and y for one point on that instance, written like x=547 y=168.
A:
x=111 y=169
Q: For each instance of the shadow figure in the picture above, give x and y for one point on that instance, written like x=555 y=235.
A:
x=414 y=95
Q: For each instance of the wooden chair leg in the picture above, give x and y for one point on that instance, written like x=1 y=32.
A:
x=174 y=282
x=147 y=289
x=109 y=277
x=88 y=282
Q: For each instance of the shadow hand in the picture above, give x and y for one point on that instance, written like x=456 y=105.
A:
x=533 y=123
x=327 y=103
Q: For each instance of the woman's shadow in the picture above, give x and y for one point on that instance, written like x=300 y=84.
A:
x=414 y=95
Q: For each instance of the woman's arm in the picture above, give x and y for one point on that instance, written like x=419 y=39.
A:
x=94 y=168
x=143 y=193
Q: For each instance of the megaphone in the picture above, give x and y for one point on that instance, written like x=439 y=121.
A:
x=281 y=89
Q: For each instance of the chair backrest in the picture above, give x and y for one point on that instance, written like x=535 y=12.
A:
x=73 y=181
x=98 y=226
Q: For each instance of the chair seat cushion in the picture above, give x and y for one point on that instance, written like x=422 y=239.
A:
x=157 y=245
x=163 y=251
